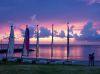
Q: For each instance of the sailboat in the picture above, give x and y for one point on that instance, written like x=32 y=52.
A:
x=26 y=43
x=10 y=51
x=26 y=48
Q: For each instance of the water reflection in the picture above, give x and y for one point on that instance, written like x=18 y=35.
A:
x=60 y=52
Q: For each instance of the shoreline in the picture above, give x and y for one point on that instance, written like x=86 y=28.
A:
x=51 y=61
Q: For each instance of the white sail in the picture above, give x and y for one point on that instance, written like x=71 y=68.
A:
x=25 y=52
x=11 y=43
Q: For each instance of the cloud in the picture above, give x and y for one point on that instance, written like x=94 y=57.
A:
x=71 y=34
x=90 y=2
x=61 y=34
x=31 y=30
x=32 y=27
x=89 y=33
x=44 y=32
x=93 y=1
x=34 y=19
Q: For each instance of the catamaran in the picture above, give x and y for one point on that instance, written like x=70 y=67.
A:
x=26 y=43
x=10 y=51
x=26 y=47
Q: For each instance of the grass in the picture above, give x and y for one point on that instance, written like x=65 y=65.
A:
x=13 y=68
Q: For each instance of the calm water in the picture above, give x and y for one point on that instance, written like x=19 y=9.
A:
x=76 y=52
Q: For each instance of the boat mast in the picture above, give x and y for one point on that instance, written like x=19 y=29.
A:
x=52 y=43
x=37 y=44
x=67 y=40
x=27 y=40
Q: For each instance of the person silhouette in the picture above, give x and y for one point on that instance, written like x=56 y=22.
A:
x=92 y=59
x=89 y=59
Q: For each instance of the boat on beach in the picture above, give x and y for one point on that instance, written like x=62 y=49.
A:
x=16 y=50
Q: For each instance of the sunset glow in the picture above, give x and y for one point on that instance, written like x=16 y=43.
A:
x=77 y=13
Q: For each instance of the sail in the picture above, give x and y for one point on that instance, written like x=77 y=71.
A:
x=26 y=43
x=11 y=43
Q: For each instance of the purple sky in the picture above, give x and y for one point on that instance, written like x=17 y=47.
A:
x=52 y=11
x=49 y=10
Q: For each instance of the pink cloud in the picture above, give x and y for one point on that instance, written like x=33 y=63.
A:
x=90 y=2
x=93 y=1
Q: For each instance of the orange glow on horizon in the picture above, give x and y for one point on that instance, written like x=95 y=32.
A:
x=78 y=26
